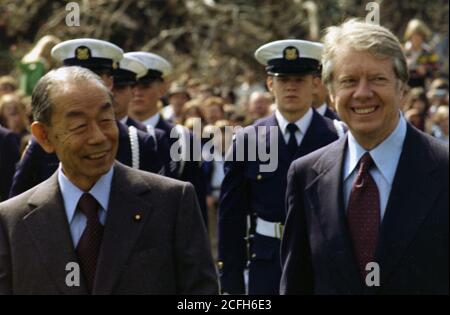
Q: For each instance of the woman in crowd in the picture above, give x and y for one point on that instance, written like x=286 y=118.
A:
x=440 y=127
x=13 y=117
x=423 y=62
x=37 y=63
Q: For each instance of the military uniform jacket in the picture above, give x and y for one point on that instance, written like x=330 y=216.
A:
x=189 y=171
x=246 y=190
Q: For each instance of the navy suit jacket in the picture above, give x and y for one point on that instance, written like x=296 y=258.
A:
x=37 y=165
x=245 y=190
x=331 y=114
x=9 y=155
x=412 y=252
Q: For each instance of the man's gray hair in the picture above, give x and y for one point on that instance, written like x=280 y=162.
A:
x=361 y=36
x=41 y=101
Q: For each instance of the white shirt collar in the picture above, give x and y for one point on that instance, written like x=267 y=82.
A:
x=385 y=155
x=302 y=124
x=152 y=121
x=124 y=120
x=322 y=109
x=71 y=194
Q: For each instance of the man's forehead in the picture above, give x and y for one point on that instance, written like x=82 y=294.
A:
x=349 y=60
x=83 y=96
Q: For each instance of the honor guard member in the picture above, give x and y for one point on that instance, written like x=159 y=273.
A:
x=125 y=77
x=9 y=155
x=144 y=107
x=136 y=148
x=251 y=205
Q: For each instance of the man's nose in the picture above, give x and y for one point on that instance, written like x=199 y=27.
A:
x=96 y=134
x=363 y=90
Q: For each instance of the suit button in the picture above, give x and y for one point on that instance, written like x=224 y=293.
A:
x=253 y=255
x=259 y=177
x=220 y=264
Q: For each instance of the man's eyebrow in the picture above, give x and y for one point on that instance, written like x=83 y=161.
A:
x=74 y=114
x=106 y=107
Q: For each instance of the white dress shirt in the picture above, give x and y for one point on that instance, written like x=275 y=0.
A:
x=218 y=174
x=385 y=156
x=152 y=121
x=71 y=195
x=302 y=124
x=124 y=120
x=322 y=109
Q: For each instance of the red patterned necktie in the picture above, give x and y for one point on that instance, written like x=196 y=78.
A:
x=91 y=239
x=363 y=214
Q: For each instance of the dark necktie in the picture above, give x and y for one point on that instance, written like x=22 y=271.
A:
x=91 y=239
x=292 y=143
x=363 y=214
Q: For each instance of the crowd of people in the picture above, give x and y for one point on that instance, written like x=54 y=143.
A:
x=236 y=201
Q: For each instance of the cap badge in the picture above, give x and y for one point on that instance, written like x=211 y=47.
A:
x=291 y=53
x=82 y=53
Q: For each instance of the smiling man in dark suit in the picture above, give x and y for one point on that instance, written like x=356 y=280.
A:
x=131 y=232
x=368 y=214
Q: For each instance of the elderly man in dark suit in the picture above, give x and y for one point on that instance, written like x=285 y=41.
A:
x=128 y=231
x=368 y=214
x=9 y=155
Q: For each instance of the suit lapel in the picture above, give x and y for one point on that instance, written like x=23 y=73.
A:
x=414 y=189
x=122 y=230
x=50 y=232
x=324 y=195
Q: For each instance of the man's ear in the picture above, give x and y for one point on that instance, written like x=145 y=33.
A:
x=108 y=80
x=315 y=84
x=269 y=83
x=39 y=131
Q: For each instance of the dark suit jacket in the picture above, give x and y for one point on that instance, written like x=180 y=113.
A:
x=166 y=252
x=331 y=114
x=413 y=244
x=9 y=155
x=37 y=165
x=246 y=190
